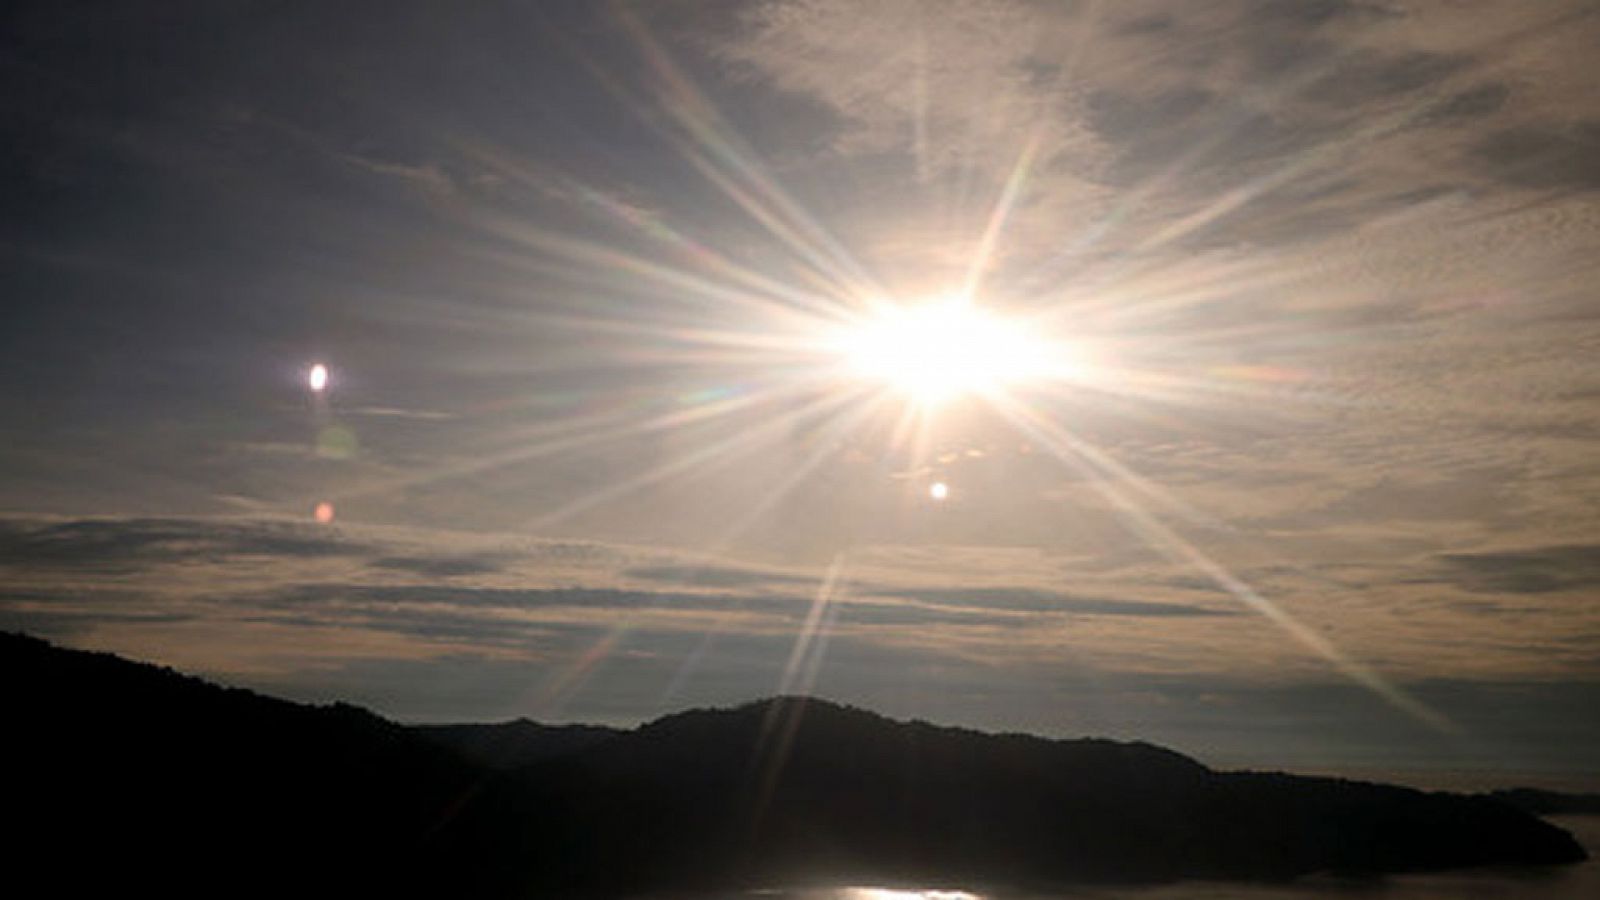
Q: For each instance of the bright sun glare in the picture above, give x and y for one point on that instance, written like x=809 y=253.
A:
x=939 y=350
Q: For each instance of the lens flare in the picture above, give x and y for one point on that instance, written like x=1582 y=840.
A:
x=317 y=378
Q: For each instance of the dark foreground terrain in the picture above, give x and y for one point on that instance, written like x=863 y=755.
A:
x=131 y=778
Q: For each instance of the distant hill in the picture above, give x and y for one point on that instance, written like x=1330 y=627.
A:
x=786 y=788
x=126 y=776
x=1549 y=803
x=511 y=745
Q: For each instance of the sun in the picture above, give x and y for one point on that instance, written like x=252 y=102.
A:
x=936 y=351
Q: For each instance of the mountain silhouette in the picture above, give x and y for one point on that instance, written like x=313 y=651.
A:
x=792 y=789
x=513 y=744
x=126 y=775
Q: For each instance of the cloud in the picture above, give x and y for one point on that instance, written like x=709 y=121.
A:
x=1534 y=570
x=452 y=629
x=318 y=595
x=956 y=84
x=77 y=612
x=447 y=628
x=426 y=176
x=558 y=616
x=1545 y=156
x=1035 y=601
x=444 y=566
x=1158 y=131
x=714 y=576
x=73 y=623
x=1469 y=104
x=136 y=543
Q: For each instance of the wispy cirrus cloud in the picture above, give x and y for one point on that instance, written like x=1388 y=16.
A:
x=708 y=576
x=1037 y=601
x=134 y=543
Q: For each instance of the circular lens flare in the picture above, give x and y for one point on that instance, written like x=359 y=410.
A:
x=317 y=378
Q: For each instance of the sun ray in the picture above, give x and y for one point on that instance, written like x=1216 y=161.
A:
x=648 y=224
x=1077 y=454
x=604 y=264
x=775 y=739
x=983 y=256
x=844 y=420
x=732 y=447
x=715 y=149
x=569 y=435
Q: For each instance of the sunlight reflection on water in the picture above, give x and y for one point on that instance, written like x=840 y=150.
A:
x=869 y=893
x=1580 y=882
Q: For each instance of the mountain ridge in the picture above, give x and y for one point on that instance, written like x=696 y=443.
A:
x=204 y=782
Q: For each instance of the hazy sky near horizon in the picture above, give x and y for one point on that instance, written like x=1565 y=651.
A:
x=1322 y=487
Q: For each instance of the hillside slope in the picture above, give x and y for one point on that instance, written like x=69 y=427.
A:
x=122 y=775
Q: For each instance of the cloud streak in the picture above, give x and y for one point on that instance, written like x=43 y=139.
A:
x=1531 y=570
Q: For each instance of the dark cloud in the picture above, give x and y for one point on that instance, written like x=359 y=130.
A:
x=442 y=626
x=471 y=615
x=317 y=596
x=1546 y=157
x=67 y=613
x=915 y=615
x=70 y=623
x=443 y=566
x=124 y=544
x=1417 y=196
x=1472 y=103
x=1026 y=600
x=1359 y=79
x=1536 y=570
x=713 y=576
x=1302 y=16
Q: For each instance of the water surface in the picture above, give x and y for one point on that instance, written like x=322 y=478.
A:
x=1579 y=882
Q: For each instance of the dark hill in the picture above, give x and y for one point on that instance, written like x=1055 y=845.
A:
x=125 y=776
x=514 y=744
x=122 y=775
x=787 y=788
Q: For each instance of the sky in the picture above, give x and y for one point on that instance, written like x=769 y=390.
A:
x=1257 y=412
